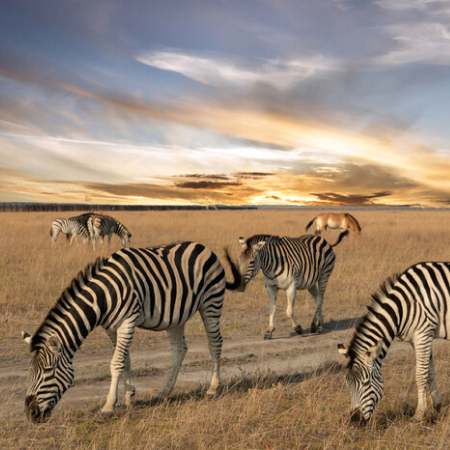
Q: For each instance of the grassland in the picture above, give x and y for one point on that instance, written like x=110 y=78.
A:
x=260 y=408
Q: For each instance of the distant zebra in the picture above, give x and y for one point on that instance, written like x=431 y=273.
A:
x=290 y=264
x=100 y=226
x=157 y=288
x=415 y=307
x=70 y=228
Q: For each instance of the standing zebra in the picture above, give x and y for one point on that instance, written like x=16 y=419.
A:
x=157 y=288
x=290 y=264
x=100 y=226
x=69 y=227
x=414 y=307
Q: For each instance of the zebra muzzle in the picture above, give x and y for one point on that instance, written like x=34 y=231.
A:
x=357 y=417
x=32 y=410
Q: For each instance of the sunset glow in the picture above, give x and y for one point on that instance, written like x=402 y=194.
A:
x=226 y=103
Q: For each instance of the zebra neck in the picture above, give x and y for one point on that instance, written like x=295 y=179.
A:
x=71 y=319
x=377 y=325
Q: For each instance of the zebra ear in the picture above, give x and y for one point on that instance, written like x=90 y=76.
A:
x=54 y=344
x=26 y=337
x=374 y=352
x=243 y=243
x=259 y=245
x=342 y=349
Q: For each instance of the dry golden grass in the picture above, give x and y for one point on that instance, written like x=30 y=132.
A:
x=264 y=411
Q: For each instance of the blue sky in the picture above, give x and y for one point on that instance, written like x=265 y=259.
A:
x=327 y=102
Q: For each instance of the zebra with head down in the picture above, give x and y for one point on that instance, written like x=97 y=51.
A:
x=157 y=288
x=414 y=307
x=100 y=226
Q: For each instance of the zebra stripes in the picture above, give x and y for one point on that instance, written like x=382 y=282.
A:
x=100 y=226
x=157 y=288
x=414 y=307
x=290 y=264
x=69 y=227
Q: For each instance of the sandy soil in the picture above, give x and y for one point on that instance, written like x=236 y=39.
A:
x=243 y=356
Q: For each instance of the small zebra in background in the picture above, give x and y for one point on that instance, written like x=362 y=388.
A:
x=413 y=307
x=70 y=228
x=157 y=288
x=290 y=264
x=100 y=226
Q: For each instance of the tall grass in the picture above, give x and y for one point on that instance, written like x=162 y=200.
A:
x=263 y=410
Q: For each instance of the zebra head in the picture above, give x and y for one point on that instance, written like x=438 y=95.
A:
x=249 y=261
x=51 y=374
x=364 y=381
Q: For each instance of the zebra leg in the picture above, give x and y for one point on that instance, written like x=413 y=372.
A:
x=72 y=237
x=423 y=356
x=179 y=348
x=109 y=238
x=118 y=363
x=437 y=403
x=317 y=321
x=291 y=293
x=212 y=327
x=129 y=389
x=272 y=293
x=55 y=237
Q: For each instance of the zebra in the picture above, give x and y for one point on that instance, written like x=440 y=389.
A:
x=413 y=306
x=100 y=226
x=156 y=288
x=291 y=264
x=69 y=227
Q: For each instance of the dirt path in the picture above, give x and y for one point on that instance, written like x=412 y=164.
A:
x=243 y=356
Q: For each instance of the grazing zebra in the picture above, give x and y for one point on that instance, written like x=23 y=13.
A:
x=157 y=288
x=100 y=226
x=415 y=307
x=70 y=228
x=290 y=264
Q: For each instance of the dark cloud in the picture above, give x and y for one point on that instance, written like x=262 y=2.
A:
x=333 y=198
x=205 y=185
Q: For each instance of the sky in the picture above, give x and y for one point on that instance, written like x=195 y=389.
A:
x=238 y=102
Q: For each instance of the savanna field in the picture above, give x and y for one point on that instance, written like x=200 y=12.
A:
x=287 y=393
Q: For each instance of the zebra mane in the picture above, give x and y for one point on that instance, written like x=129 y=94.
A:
x=377 y=301
x=77 y=284
x=261 y=237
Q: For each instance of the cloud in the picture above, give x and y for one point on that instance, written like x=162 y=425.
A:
x=220 y=71
x=334 y=198
x=417 y=43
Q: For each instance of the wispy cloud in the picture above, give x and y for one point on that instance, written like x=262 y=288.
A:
x=423 y=43
x=218 y=71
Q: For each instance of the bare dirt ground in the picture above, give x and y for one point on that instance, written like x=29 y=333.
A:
x=244 y=356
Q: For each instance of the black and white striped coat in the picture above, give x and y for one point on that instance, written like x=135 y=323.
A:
x=291 y=264
x=100 y=226
x=69 y=227
x=414 y=307
x=157 y=288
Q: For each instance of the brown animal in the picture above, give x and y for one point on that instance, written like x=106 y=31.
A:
x=342 y=221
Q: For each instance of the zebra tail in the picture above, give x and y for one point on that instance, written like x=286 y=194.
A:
x=236 y=274
x=310 y=223
x=341 y=236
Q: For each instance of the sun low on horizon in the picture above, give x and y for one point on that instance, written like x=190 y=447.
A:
x=330 y=103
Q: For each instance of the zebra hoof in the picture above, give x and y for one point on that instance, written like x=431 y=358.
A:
x=107 y=414
x=268 y=335
x=313 y=328
x=298 y=329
